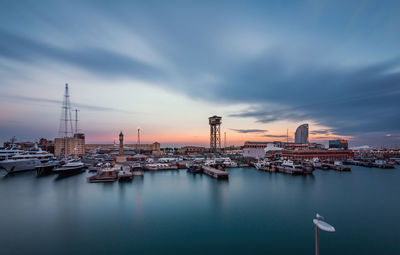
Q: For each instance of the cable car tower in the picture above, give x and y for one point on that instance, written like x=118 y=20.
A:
x=215 y=133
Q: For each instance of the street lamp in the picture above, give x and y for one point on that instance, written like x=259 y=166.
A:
x=138 y=140
x=319 y=224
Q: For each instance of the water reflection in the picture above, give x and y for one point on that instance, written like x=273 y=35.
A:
x=253 y=210
x=137 y=183
x=220 y=194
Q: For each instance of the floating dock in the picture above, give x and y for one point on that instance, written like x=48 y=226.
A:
x=215 y=173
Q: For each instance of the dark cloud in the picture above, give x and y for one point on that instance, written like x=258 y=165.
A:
x=336 y=75
x=321 y=132
x=351 y=101
x=326 y=138
x=59 y=103
x=97 y=60
x=245 y=131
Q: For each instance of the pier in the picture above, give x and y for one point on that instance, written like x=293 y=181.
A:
x=215 y=173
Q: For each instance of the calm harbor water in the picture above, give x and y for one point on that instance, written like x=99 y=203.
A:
x=176 y=212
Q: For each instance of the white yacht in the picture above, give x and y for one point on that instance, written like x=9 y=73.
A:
x=262 y=164
x=161 y=166
x=316 y=163
x=288 y=163
x=125 y=174
x=228 y=162
x=209 y=162
x=9 y=152
x=379 y=163
x=289 y=167
x=338 y=163
x=18 y=160
x=43 y=156
x=19 y=165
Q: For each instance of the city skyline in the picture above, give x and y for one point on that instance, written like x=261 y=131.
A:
x=264 y=67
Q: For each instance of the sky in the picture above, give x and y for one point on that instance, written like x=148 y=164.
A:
x=266 y=67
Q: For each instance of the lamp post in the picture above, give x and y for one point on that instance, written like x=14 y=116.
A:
x=138 y=139
x=319 y=224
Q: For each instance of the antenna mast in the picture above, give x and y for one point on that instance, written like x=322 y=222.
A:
x=287 y=135
x=66 y=129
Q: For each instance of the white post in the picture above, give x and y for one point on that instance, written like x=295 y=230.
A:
x=323 y=226
x=316 y=241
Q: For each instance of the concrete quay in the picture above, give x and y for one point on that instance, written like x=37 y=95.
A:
x=215 y=173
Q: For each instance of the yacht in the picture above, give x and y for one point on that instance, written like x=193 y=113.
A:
x=9 y=152
x=382 y=164
x=19 y=165
x=228 y=162
x=136 y=166
x=289 y=164
x=43 y=156
x=161 y=166
x=125 y=174
x=19 y=160
x=70 y=168
x=316 y=163
x=289 y=167
x=264 y=165
x=209 y=162
x=46 y=168
x=105 y=174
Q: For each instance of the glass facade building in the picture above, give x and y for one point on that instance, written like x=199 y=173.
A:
x=338 y=144
x=301 y=135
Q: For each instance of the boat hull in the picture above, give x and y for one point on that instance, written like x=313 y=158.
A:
x=64 y=172
x=44 y=170
x=13 y=166
x=95 y=179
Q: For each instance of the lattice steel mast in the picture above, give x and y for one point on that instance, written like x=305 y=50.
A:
x=215 y=133
x=66 y=129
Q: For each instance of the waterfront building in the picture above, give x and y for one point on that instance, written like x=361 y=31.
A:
x=362 y=152
x=191 y=150
x=20 y=145
x=254 y=149
x=295 y=146
x=316 y=146
x=338 y=144
x=272 y=151
x=70 y=146
x=151 y=148
x=301 y=135
x=257 y=149
x=46 y=145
